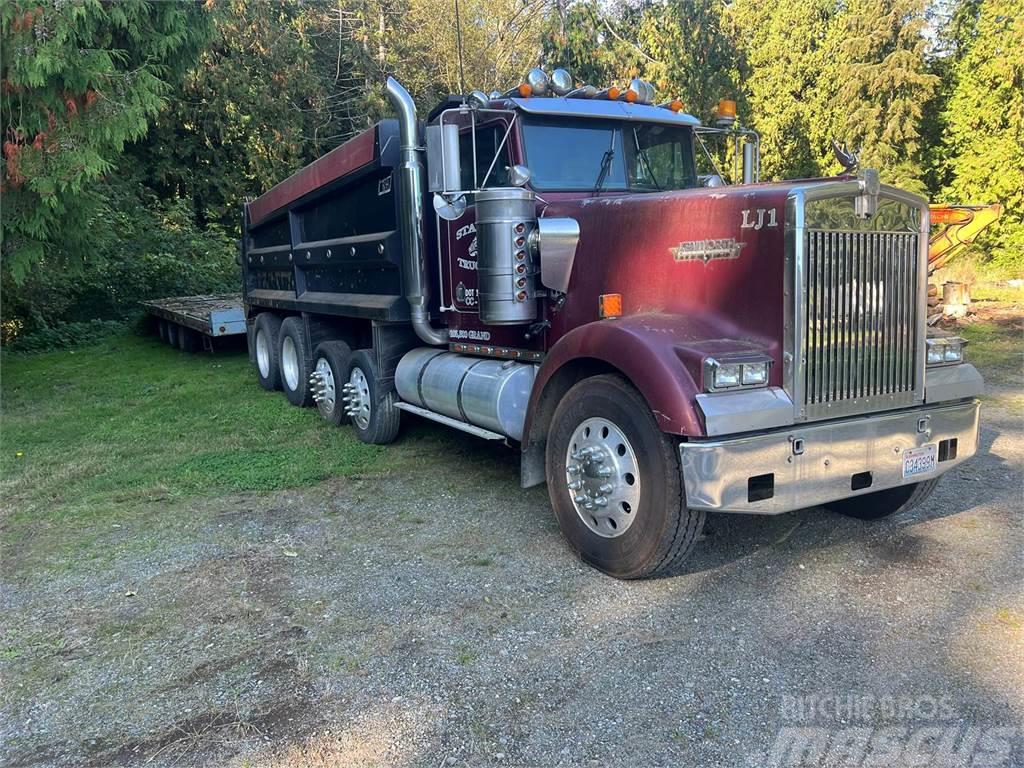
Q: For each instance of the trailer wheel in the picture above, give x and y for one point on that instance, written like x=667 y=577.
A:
x=373 y=413
x=875 y=506
x=268 y=361
x=615 y=483
x=296 y=362
x=330 y=367
x=188 y=340
x=172 y=334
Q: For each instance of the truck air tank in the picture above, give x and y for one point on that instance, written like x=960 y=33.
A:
x=505 y=217
x=488 y=393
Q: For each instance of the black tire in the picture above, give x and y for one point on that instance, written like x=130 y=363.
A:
x=335 y=357
x=267 y=351
x=875 y=506
x=188 y=340
x=660 y=532
x=172 y=333
x=296 y=361
x=376 y=419
x=162 y=330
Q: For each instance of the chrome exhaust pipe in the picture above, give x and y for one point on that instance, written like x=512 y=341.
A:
x=410 y=216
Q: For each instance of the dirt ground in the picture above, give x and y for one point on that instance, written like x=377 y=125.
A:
x=432 y=616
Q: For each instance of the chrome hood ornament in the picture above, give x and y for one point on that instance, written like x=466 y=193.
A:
x=845 y=156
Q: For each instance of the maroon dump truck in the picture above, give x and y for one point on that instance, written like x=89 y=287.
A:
x=548 y=267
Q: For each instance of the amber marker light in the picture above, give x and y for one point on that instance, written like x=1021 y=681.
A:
x=675 y=105
x=609 y=305
x=525 y=90
x=726 y=108
x=630 y=96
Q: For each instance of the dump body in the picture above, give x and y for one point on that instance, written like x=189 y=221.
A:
x=326 y=240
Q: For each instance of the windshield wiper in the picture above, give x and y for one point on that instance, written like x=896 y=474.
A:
x=606 y=164
x=646 y=160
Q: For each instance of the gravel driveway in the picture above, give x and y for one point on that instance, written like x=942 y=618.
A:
x=432 y=616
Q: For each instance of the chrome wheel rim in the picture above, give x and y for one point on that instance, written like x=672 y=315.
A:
x=357 y=397
x=290 y=363
x=602 y=477
x=322 y=383
x=263 y=354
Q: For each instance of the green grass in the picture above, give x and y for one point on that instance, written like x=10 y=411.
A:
x=997 y=292
x=131 y=421
x=996 y=349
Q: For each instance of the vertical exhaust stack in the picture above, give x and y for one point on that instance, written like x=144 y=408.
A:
x=410 y=216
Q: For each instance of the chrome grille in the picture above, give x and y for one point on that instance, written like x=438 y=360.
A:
x=860 y=321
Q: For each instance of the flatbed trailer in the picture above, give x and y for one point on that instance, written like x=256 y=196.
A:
x=193 y=322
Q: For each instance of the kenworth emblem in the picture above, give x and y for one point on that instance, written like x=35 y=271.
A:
x=706 y=250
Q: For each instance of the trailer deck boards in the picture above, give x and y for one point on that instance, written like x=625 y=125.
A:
x=215 y=315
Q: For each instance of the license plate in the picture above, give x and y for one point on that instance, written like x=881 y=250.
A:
x=920 y=461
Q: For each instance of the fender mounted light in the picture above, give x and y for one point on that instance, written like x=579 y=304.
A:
x=609 y=305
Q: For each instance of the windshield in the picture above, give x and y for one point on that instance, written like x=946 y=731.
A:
x=608 y=155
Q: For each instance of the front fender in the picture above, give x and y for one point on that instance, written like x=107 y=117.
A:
x=660 y=354
x=652 y=351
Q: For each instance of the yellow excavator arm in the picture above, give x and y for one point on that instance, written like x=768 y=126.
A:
x=954 y=228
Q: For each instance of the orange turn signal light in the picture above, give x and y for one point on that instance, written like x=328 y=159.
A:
x=675 y=105
x=609 y=305
x=613 y=93
x=630 y=95
x=525 y=90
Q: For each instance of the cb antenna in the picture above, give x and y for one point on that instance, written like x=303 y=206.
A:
x=458 y=37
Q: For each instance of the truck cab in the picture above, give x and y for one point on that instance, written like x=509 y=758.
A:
x=552 y=267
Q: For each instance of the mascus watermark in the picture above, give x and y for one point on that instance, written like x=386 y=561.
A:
x=868 y=731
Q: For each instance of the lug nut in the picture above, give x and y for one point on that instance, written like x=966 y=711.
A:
x=604 y=472
x=601 y=501
x=575 y=485
x=573 y=469
x=606 y=488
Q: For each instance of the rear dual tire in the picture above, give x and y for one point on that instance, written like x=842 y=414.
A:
x=295 y=359
x=330 y=368
x=267 y=351
x=370 y=407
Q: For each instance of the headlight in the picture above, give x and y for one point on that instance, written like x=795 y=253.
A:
x=945 y=350
x=724 y=374
x=727 y=375
x=755 y=374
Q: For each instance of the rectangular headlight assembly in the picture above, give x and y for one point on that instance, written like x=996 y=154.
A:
x=947 y=350
x=727 y=374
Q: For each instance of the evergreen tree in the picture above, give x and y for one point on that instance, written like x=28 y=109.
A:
x=79 y=81
x=782 y=61
x=875 y=84
x=985 y=126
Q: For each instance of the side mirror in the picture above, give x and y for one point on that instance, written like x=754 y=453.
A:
x=449 y=207
x=443 y=163
x=713 y=180
x=518 y=175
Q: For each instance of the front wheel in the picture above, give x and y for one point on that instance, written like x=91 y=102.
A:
x=875 y=506
x=615 y=483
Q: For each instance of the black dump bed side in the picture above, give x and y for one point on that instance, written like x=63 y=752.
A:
x=334 y=249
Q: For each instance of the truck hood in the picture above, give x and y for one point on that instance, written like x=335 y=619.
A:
x=711 y=259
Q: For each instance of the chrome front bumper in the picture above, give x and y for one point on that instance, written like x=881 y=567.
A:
x=811 y=464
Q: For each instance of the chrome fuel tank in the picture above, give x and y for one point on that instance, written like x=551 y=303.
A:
x=492 y=394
